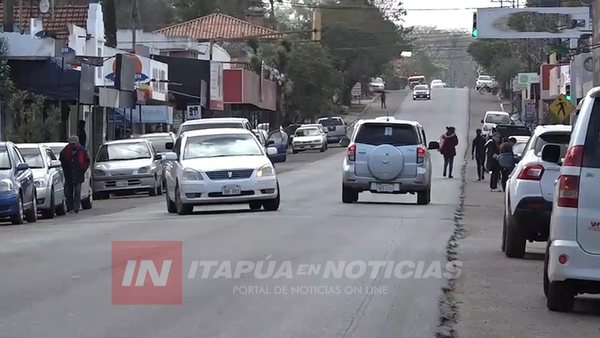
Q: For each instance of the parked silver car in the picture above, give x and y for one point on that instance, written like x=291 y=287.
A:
x=86 y=186
x=220 y=166
x=48 y=178
x=336 y=128
x=309 y=138
x=388 y=156
x=126 y=167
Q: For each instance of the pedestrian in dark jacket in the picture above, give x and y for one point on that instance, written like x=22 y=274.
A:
x=82 y=134
x=506 y=148
x=492 y=149
x=382 y=98
x=75 y=161
x=448 y=141
x=478 y=154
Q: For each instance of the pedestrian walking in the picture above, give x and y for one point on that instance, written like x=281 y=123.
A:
x=478 y=154
x=82 y=134
x=448 y=143
x=492 y=149
x=75 y=161
x=382 y=98
x=506 y=148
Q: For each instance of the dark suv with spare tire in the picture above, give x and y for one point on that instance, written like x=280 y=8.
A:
x=388 y=156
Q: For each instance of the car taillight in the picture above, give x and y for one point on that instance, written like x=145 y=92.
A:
x=531 y=172
x=574 y=157
x=420 y=155
x=352 y=152
x=568 y=191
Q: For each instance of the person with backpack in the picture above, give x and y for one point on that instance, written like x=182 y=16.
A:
x=448 y=143
x=492 y=149
x=75 y=161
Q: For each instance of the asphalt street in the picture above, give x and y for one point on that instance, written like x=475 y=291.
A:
x=499 y=296
x=56 y=274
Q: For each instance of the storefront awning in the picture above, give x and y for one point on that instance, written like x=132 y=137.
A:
x=149 y=114
x=46 y=77
x=241 y=86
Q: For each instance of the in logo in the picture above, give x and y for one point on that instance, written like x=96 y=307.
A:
x=594 y=226
x=229 y=174
x=146 y=272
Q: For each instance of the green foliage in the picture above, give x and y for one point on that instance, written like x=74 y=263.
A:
x=33 y=121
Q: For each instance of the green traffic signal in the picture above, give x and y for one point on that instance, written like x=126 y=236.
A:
x=569 y=97
x=474 y=33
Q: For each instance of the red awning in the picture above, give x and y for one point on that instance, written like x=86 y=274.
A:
x=241 y=86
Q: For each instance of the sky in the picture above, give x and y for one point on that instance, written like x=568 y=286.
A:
x=445 y=19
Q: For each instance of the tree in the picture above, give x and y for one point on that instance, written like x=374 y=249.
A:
x=110 y=22
x=191 y=9
x=34 y=121
x=362 y=39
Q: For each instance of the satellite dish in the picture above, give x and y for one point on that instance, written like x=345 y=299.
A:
x=44 y=6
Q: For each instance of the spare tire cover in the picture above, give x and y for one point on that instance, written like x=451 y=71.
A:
x=386 y=162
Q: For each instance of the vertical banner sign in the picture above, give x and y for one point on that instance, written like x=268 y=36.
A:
x=216 y=86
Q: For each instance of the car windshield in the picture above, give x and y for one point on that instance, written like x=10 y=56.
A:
x=497 y=118
x=561 y=139
x=484 y=78
x=159 y=142
x=331 y=122
x=519 y=147
x=33 y=157
x=123 y=152
x=221 y=146
x=209 y=125
x=308 y=132
x=421 y=87
x=4 y=159
x=436 y=81
x=394 y=134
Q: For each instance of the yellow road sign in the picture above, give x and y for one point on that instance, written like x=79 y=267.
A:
x=561 y=108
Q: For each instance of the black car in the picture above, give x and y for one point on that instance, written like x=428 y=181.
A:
x=506 y=130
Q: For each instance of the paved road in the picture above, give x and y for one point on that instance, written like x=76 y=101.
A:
x=499 y=296
x=56 y=275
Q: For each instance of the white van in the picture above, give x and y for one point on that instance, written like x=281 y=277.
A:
x=572 y=262
x=492 y=119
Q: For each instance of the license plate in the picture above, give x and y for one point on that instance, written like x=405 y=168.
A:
x=385 y=187
x=122 y=183
x=230 y=190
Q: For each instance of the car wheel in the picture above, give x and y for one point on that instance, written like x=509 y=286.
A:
x=515 y=241
x=255 y=205
x=272 y=204
x=323 y=148
x=153 y=191
x=87 y=202
x=61 y=209
x=424 y=197
x=49 y=213
x=171 y=208
x=560 y=297
x=294 y=151
x=546 y=280
x=19 y=218
x=159 y=190
x=349 y=195
x=182 y=208
x=31 y=214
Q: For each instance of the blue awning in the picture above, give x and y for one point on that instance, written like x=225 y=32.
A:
x=46 y=77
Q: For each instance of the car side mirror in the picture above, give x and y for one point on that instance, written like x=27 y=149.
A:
x=170 y=156
x=169 y=145
x=270 y=142
x=345 y=142
x=551 y=153
x=22 y=166
x=271 y=151
x=482 y=121
x=159 y=157
x=433 y=145
x=55 y=164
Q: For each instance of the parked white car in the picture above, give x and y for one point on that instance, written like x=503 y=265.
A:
x=48 y=178
x=309 y=138
x=86 y=187
x=484 y=80
x=530 y=190
x=220 y=166
x=492 y=119
x=572 y=262
x=437 y=84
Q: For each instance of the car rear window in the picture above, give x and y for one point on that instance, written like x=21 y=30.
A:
x=421 y=87
x=394 y=134
x=216 y=125
x=591 y=153
x=561 y=139
x=497 y=118
x=331 y=122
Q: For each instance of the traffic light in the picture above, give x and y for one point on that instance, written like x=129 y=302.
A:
x=568 y=92
x=474 y=32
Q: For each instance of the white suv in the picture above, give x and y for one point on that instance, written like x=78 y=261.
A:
x=388 y=156
x=530 y=190
x=572 y=263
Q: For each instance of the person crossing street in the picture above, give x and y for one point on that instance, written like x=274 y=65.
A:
x=75 y=161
